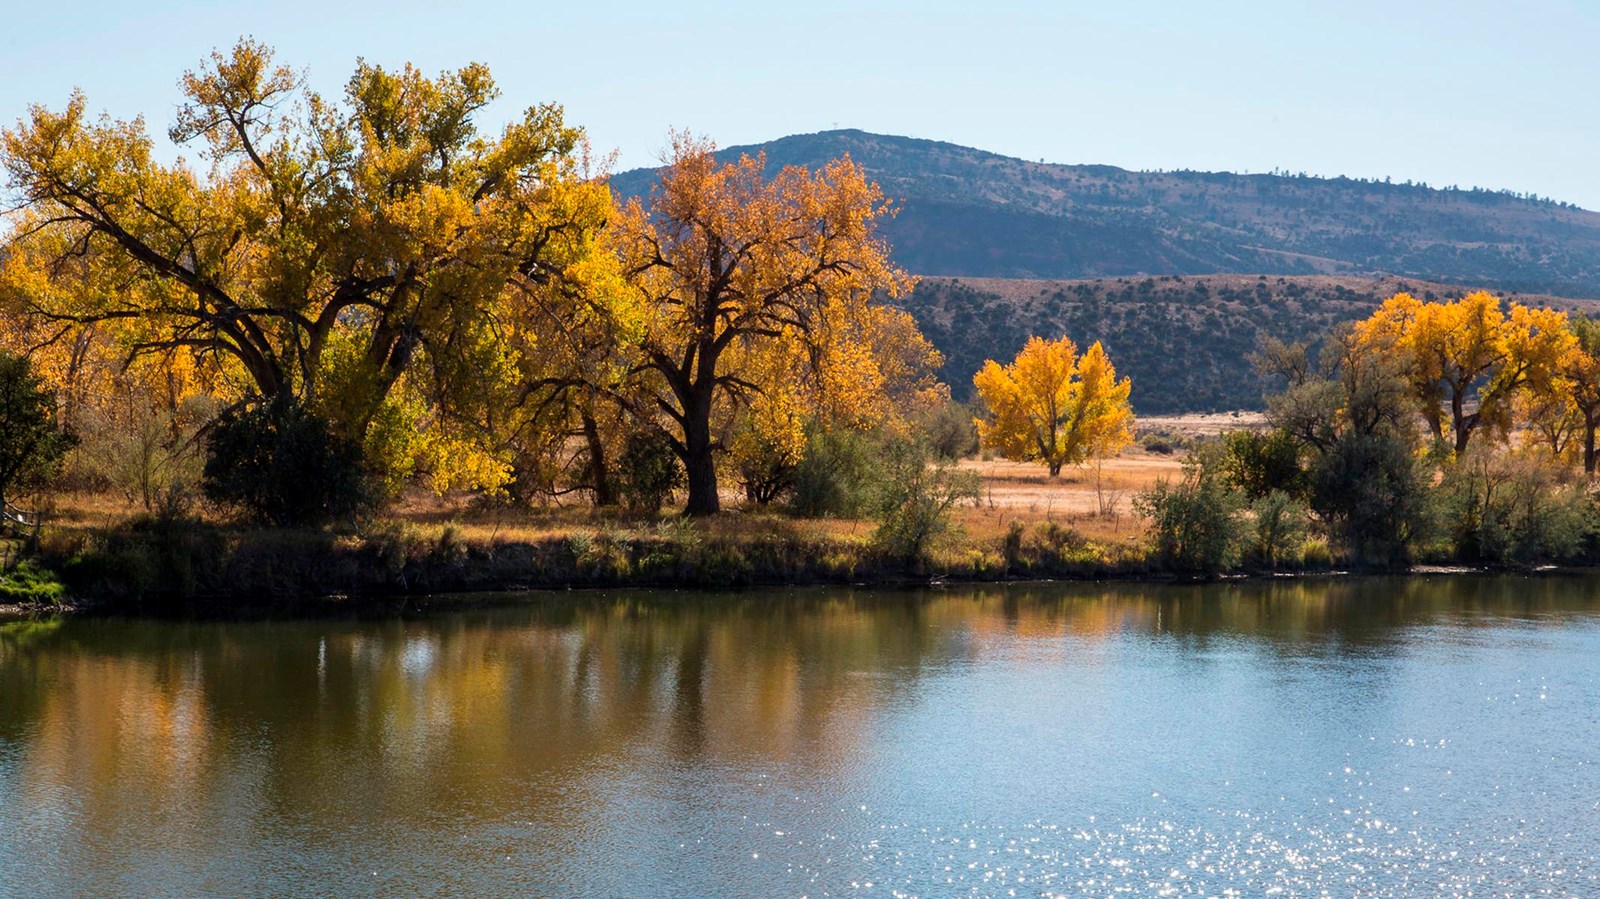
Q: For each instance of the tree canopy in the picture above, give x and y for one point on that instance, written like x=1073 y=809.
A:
x=727 y=268
x=1053 y=406
x=1466 y=361
x=327 y=247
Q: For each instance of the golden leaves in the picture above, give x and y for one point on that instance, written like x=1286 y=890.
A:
x=1465 y=360
x=754 y=286
x=1053 y=406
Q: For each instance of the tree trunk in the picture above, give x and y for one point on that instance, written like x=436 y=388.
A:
x=1055 y=469
x=698 y=462
x=1589 y=448
x=599 y=477
x=1459 y=420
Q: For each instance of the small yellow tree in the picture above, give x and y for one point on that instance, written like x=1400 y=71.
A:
x=1052 y=406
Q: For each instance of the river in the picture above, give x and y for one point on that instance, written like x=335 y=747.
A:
x=1429 y=736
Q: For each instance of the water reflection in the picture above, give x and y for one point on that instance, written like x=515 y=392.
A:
x=812 y=742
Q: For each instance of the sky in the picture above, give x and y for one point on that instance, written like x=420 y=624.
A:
x=1487 y=93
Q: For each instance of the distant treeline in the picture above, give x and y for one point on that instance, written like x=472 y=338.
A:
x=1185 y=341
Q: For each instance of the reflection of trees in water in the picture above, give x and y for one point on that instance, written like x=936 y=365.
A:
x=526 y=712
x=1300 y=616
x=495 y=711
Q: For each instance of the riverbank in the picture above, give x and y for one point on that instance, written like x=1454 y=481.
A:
x=109 y=553
x=188 y=566
x=200 y=569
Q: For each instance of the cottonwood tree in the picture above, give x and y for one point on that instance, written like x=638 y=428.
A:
x=724 y=261
x=330 y=246
x=1580 y=386
x=1465 y=361
x=1053 y=406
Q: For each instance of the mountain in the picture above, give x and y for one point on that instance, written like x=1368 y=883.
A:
x=969 y=213
x=1185 y=341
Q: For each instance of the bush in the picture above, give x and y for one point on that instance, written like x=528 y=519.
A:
x=1513 y=510
x=648 y=471
x=284 y=465
x=836 y=475
x=32 y=444
x=1258 y=463
x=1280 y=528
x=950 y=431
x=1194 y=524
x=914 y=500
x=151 y=454
x=1371 y=491
x=1157 y=445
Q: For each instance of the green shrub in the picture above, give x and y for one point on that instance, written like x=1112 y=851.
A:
x=283 y=464
x=1280 y=529
x=1257 y=463
x=1315 y=554
x=1513 y=510
x=32 y=444
x=1011 y=546
x=914 y=500
x=949 y=431
x=1373 y=494
x=836 y=475
x=1195 y=526
x=1161 y=441
x=648 y=470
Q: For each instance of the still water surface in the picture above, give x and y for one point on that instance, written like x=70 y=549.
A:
x=1372 y=737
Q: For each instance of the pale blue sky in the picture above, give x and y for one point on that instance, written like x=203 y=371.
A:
x=1493 y=94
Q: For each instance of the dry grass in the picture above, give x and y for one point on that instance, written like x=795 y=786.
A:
x=1015 y=491
x=1012 y=492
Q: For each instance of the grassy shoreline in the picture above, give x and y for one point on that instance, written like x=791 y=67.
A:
x=193 y=567
x=198 y=569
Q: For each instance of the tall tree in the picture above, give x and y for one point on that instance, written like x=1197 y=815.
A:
x=725 y=260
x=1580 y=382
x=329 y=247
x=1053 y=406
x=1466 y=361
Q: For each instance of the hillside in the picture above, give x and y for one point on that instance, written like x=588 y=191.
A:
x=968 y=213
x=1183 y=340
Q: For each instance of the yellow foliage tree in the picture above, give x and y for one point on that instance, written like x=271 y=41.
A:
x=1053 y=406
x=726 y=262
x=333 y=251
x=1580 y=386
x=1466 y=361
